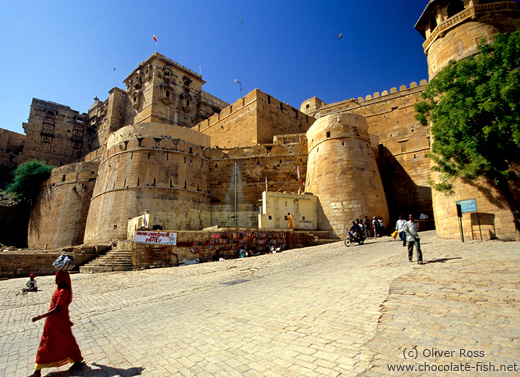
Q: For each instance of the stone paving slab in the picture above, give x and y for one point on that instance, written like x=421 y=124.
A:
x=327 y=310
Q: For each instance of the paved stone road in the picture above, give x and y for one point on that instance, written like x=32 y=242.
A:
x=320 y=311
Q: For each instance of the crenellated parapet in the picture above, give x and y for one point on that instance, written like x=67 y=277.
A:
x=254 y=119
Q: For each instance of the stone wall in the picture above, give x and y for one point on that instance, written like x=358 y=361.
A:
x=277 y=205
x=494 y=218
x=253 y=119
x=403 y=144
x=11 y=145
x=22 y=263
x=252 y=168
x=211 y=245
x=59 y=215
x=343 y=173
x=156 y=167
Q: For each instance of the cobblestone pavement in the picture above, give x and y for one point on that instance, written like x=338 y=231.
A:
x=320 y=311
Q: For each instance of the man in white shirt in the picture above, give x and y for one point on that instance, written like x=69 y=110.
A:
x=399 y=226
x=412 y=237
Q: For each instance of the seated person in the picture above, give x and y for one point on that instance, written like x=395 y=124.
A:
x=31 y=285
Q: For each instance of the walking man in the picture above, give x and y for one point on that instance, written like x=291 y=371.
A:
x=412 y=237
x=399 y=226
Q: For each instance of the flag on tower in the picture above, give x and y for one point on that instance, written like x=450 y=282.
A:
x=155 y=38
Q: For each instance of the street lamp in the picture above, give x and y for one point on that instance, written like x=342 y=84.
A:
x=239 y=83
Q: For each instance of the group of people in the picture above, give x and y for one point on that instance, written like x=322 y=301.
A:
x=368 y=228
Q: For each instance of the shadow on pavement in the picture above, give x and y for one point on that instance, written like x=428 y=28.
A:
x=104 y=371
x=441 y=260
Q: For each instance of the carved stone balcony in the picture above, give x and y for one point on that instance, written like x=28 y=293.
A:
x=469 y=13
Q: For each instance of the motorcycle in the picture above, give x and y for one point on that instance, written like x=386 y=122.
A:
x=354 y=237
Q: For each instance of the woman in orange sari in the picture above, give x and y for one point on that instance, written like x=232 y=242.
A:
x=58 y=346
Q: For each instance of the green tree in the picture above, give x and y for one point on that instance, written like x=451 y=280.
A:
x=28 y=178
x=473 y=106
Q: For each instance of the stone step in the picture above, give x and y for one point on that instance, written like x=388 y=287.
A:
x=114 y=260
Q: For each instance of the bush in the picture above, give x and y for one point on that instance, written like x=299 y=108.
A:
x=27 y=180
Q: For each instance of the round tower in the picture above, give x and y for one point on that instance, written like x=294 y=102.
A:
x=453 y=29
x=342 y=171
x=59 y=215
x=151 y=167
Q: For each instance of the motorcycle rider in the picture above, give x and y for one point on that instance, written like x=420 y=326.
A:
x=355 y=231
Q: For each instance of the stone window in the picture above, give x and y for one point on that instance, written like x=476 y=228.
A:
x=46 y=138
x=76 y=145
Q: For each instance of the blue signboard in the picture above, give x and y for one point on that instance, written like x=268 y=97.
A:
x=468 y=205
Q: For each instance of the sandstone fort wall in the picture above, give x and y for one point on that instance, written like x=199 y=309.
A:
x=403 y=144
x=253 y=119
x=343 y=173
x=11 y=146
x=60 y=213
x=154 y=167
x=254 y=169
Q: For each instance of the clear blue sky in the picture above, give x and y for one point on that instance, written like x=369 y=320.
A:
x=66 y=51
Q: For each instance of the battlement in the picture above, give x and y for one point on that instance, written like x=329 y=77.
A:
x=403 y=89
x=244 y=102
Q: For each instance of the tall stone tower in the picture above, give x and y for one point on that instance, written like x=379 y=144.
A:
x=342 y=171
x=453 y=29
x=163 y=91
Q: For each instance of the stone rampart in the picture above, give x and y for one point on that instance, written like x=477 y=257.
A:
x=58 y=218
x=343 y=173
x=154 y=167
x=403 y=144
x=253 y=119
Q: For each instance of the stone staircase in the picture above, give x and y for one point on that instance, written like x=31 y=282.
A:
x=112 y=260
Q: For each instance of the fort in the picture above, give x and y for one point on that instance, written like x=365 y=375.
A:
x=166 y=148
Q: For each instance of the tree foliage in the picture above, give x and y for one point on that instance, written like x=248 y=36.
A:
x=27 y=181
x=473 y=106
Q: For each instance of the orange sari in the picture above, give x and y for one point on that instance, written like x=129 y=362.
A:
x=58 y=346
